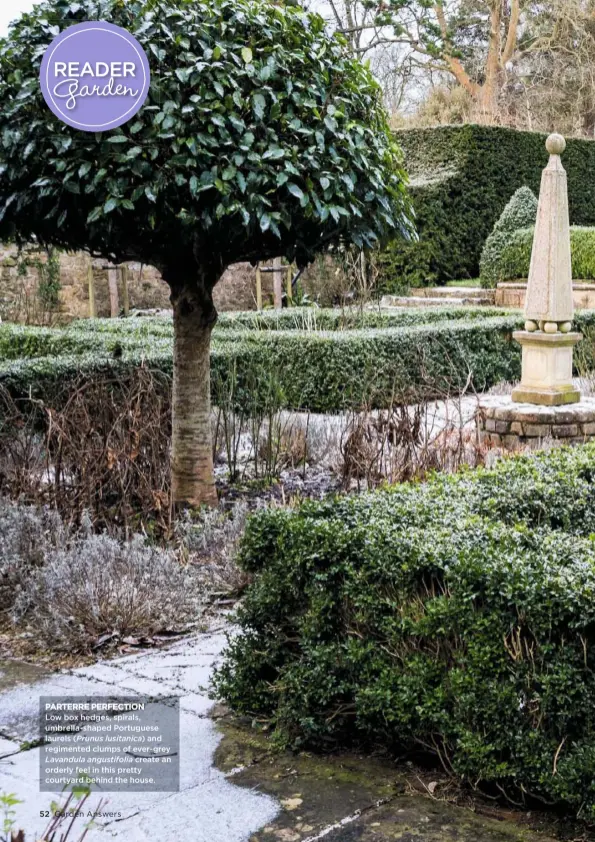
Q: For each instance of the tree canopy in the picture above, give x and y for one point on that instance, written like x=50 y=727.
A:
x=471 y=41
x=261 y=136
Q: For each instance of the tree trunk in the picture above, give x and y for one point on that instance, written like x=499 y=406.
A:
x=193 y=481
x=489 y=91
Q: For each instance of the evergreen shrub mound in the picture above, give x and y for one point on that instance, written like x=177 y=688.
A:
x=513 y=260
x=461 y=178
x=470 y=634
x=520 y=212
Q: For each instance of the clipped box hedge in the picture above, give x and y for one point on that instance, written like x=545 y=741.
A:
x=470 y=635
x=321 y=371
x=295 y=318
x=352 y=318
x=514 y=259
x=21 y=342
x=462 y=177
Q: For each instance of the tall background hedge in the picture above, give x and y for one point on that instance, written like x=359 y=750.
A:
x=462 y=177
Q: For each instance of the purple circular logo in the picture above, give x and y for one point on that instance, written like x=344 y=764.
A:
x=95 y=76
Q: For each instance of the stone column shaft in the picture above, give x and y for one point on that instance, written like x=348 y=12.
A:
x=547 y=340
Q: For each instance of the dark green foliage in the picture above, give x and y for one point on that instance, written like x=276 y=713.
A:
x=461 y=180
x=20 y=342
x=23 y=342
x=261 y=136
x=456 y=616
x=318 y=370
x=513 y=259
x=327 y=372
x=520 y=212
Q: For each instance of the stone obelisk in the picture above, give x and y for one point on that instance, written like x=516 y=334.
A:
x=548 y=340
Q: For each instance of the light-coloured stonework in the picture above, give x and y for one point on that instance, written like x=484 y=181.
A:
x=549 y=291
x=514 y=426
x=547 y=368
x=546 y=406
x=19 y=298
x=511 y=294
x=548 y=340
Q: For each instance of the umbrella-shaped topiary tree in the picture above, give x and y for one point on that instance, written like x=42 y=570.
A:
x=261 y=137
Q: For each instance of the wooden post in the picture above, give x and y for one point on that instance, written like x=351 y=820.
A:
x=125 y=296
x=258 y=288
x=289 y=284
x=114 y=301
x=277 y=283
x=91 y=282
x=364 y=274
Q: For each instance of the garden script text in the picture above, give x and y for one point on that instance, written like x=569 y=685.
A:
x=71 y=88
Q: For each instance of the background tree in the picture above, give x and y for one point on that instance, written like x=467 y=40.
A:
x=524 y=63
x=471 y=41
x=262 y=137
x=552 y=85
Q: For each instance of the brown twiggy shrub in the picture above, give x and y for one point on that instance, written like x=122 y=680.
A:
x=408 y=442
x=101 y=446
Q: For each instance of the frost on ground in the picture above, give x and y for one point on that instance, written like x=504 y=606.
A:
x=207 y=805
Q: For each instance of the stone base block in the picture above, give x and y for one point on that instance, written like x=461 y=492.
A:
x=547 y=368
x=560 y=396
x=514 y=426
x=512 y=294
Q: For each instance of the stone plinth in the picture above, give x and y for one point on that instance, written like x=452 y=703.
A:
x=513 y=426
x=548 y=340
x=547 y=368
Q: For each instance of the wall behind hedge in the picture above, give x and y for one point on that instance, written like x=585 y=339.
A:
x=461 y=180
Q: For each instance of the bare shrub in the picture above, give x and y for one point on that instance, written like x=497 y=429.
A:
x=282 y=443
x=100 y=445
x=99 y=586
x=326 y=282
x=293 y=447
x=407 y=442
x=360 y=451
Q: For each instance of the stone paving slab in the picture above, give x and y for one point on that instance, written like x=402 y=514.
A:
x=208 y=805
x=356 y=798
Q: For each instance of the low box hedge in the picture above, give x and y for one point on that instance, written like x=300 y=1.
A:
x=321 y=371
x=294 y=318
x=21 y=342
x=469 y=634
x=352 y=318
x=514 y=259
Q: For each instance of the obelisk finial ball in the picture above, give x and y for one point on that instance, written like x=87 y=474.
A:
x=555 y=144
